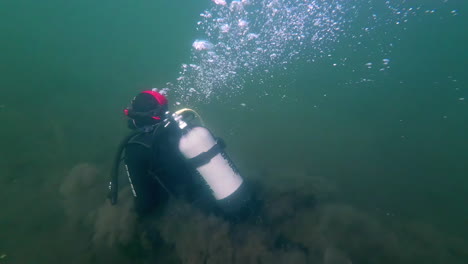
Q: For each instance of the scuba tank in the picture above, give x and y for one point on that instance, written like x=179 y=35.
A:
x=206 y=154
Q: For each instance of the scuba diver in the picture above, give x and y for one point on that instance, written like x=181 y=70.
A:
x=167 y=155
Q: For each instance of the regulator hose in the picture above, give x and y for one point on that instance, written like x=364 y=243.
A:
x=184 y=110
x=114 y=183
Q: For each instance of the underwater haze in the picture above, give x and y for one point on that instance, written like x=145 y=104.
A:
x=359 y=106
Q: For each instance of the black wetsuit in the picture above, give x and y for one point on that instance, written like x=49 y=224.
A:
x=158 y=170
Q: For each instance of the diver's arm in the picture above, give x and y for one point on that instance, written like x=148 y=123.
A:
x=145 y=191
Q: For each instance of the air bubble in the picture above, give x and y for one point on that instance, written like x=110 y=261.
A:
x=220 y=2
x=245 y=41
x=202 y=45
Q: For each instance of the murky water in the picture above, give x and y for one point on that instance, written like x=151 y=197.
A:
x=360 y=104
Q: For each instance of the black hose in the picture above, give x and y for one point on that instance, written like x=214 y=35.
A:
x=114 y=184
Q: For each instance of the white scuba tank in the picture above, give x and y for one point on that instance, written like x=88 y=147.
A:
x=219 y=173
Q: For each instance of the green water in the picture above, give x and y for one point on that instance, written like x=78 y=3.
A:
x=392 y=151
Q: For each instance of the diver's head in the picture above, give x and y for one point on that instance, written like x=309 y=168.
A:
x=147 y=108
